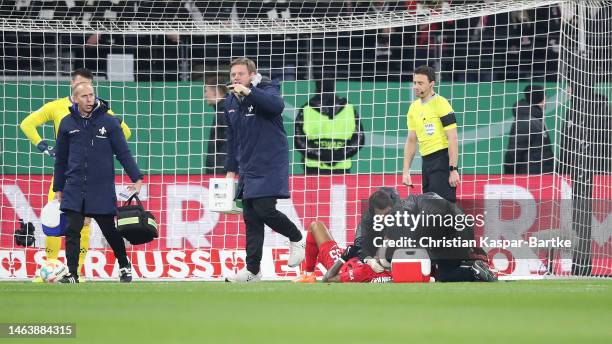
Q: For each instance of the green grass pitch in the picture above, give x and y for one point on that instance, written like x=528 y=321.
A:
x=547 y=311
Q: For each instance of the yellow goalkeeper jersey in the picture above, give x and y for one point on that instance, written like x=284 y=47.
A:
x=430 y=121
x=54 y=111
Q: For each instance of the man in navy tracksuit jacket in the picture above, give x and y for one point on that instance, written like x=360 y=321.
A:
x=259 y=153
x=84 y=174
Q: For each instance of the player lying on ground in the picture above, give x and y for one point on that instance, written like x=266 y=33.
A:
x=450 y=264
x=321 y=248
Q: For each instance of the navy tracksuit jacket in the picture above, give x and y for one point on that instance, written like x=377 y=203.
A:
x=84 y=163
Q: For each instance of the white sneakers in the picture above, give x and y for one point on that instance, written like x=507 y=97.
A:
x=297 y=252
x=244 y=276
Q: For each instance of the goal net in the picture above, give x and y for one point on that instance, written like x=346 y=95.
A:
x=528 y=80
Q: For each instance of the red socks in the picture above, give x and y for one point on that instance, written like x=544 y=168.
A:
x=312 y=251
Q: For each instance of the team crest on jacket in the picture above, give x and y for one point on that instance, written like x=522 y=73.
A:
x=102 y=131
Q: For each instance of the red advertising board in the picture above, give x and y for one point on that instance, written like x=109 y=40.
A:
x=196 y=243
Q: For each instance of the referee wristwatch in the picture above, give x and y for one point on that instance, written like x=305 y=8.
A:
x=453 y=168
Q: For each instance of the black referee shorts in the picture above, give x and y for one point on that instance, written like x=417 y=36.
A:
x=436 y=172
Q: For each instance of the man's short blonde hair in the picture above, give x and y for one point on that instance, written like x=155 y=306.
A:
x=245 y=61
x=80 y=86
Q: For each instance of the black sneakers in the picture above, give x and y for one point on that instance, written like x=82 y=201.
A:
x=69 y=278
x=125 y=274
x=482 y=272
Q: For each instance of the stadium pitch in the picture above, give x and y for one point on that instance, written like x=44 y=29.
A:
x=545 y=311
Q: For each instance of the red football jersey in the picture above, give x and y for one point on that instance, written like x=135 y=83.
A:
x=356 y=271
x=329 y=252
x=353 y=270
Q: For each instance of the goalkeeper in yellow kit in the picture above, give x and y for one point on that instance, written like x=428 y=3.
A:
x=55 y=111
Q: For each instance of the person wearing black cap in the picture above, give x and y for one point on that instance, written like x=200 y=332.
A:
x=529 y=148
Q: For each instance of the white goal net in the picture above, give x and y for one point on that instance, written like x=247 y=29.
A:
x=528 y=80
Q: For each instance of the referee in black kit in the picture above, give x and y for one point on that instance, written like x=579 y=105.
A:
x=432 y=123
x=84 y=175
